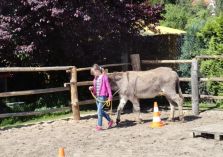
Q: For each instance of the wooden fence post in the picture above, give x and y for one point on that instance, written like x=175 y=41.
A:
x=74 y=94
x=195 y=87
x=135 y=62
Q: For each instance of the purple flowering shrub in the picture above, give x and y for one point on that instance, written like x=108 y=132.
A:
x=31 y=29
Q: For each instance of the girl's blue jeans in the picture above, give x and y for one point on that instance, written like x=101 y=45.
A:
x=100 y=111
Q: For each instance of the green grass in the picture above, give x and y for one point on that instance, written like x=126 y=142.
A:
x=21 y=121
x=205 y=105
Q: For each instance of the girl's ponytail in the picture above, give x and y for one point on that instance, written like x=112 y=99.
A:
x=97 y=67
x=102 y=70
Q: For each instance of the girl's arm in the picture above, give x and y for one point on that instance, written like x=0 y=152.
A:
x=108 y=87
x=93 y=90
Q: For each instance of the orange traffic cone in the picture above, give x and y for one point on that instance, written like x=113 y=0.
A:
x=157 y=123
x=61 y=152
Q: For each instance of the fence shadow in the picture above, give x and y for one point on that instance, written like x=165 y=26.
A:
x=31 y=124
x=209 y=108
x=17 y=126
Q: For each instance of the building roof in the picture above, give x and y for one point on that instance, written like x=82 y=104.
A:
x=161 y=30
x=204 y=2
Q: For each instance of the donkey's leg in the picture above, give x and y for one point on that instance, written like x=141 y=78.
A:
x=180 y=102
x=175 y=99
x=172 y=109
x=172 y=105
x=122 y=102
x=136 y=108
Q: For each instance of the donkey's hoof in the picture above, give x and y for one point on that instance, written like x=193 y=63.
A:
x=117 y=121
x=139 y=121
x=181 y=119
x=170 y=120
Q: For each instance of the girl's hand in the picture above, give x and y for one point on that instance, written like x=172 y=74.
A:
x=91 y=88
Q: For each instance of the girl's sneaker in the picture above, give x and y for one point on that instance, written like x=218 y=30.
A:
x=110 y=123
x=98 y=128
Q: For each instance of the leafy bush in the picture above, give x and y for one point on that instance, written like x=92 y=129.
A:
x=174 y=20
x=219 y=6
x=211 y=35
x=213 y=68
x=191 y=45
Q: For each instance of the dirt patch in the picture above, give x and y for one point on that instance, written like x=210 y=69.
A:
x=129 y=139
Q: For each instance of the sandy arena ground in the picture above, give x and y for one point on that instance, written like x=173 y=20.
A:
x=129 y=139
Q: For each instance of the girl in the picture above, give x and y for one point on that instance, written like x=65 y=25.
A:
x=101 y=89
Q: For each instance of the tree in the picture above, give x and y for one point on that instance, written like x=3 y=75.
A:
x=219 y=6
x=34 y=32
x=191 y=45
x=174 y=20
x=211 y=35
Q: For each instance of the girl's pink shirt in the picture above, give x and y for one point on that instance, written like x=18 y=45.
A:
x=105 y=89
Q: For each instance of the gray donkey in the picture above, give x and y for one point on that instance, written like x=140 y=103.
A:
x=135 y=85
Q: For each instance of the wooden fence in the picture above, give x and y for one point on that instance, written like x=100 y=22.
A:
x=74 y=84
x=195 y=79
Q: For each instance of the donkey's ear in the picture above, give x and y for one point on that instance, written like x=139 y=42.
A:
x=110 y=75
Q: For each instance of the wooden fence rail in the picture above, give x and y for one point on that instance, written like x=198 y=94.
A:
x=210 y=57
x=35 y=69
x=216 y=79
x=83 y=83
x=92 y=101
x=204 y=96
x=32 y=92
x=166 y=61
x=104 y=66
x=43 y=91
